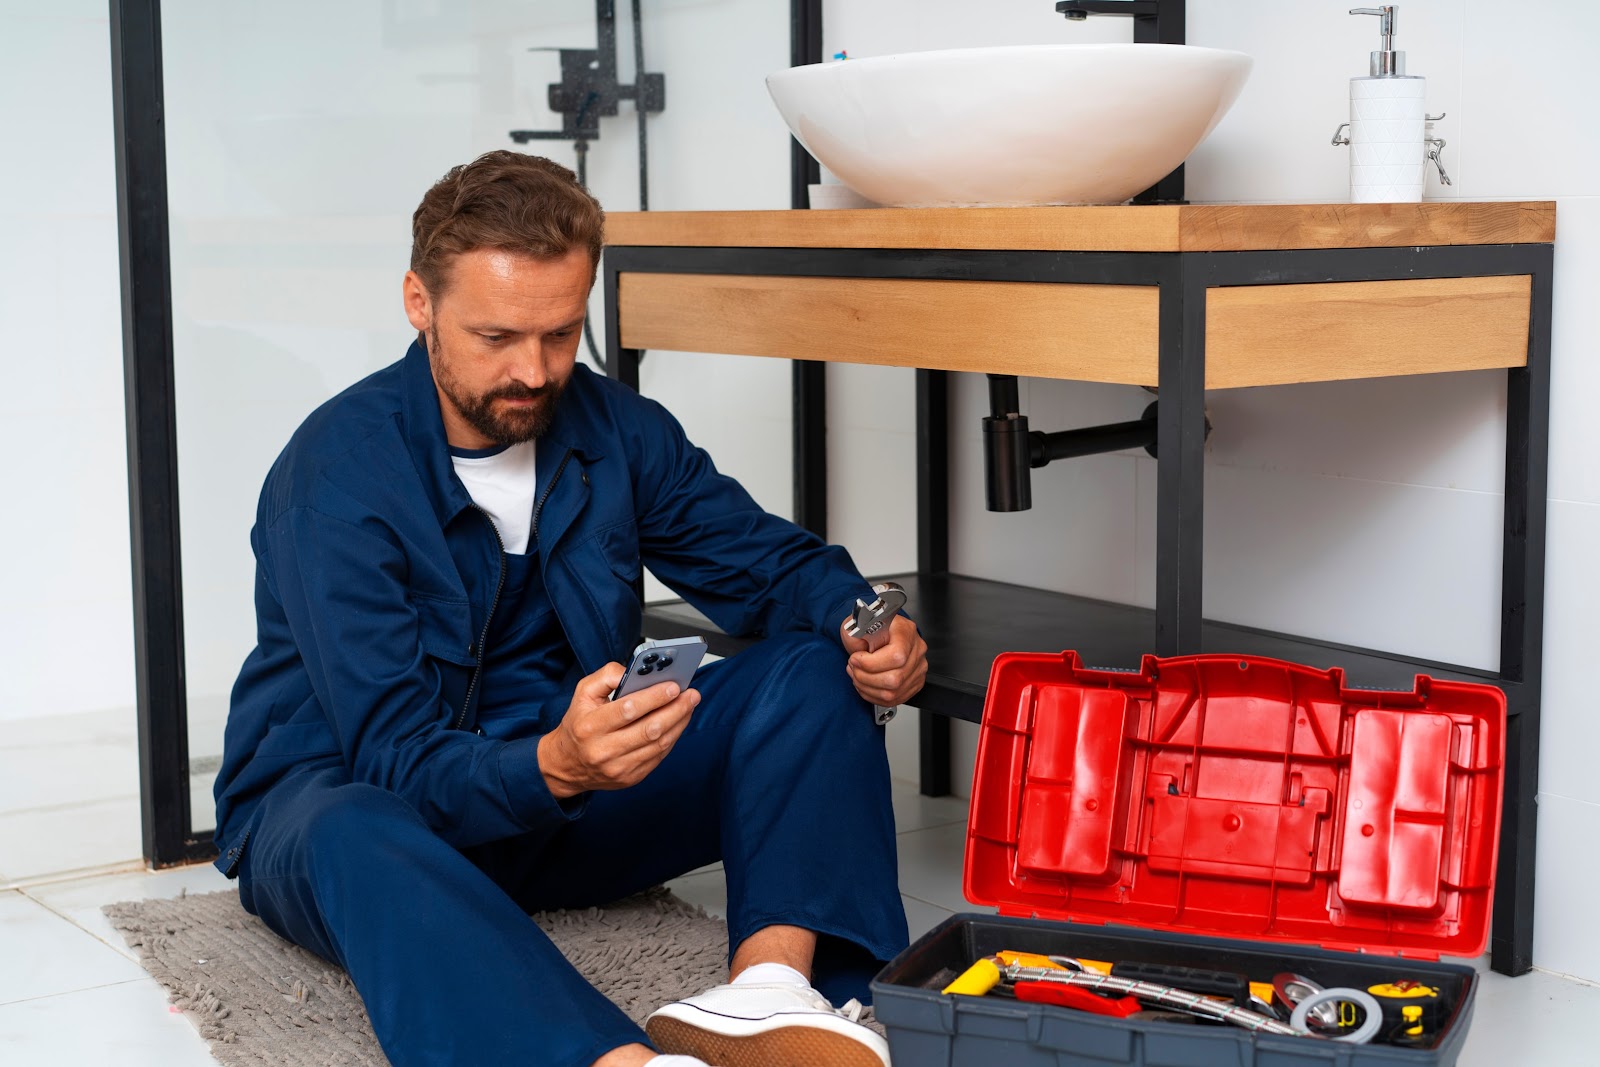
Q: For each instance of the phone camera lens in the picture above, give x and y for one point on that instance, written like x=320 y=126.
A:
x=646 y=669
x=650 y=657
x=666 y=663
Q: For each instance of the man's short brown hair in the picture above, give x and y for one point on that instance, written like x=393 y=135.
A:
x=504 y=200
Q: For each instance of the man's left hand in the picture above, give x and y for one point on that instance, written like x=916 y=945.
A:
x=893 y=674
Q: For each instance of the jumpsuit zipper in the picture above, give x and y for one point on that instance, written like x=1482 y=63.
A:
x=500 y=585
x=236 y=854
x=554 y=478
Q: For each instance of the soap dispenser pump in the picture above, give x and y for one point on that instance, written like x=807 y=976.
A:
x=1388 y=139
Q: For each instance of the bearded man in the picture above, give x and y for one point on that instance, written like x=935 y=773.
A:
x=422 y=748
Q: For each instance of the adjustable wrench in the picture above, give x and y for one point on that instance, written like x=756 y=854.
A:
x=870 y=623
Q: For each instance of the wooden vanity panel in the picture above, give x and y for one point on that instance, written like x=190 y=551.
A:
x=1238 y=227
x=1152 y=228
x=1095 y=333
x=1278 y=334
x=1116 y=228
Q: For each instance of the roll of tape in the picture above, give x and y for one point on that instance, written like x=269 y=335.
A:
x=1370 y=1024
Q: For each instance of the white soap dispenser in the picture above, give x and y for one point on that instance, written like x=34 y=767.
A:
x=1388 y=160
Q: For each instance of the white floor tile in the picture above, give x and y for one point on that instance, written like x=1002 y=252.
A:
x=930 y=866
x=913 y=811
x=903 y=740
x=709 y=890
x=79 y=900
x=44 y=954
x=1536 y=1018
x=129 y=1024
x=922 y=916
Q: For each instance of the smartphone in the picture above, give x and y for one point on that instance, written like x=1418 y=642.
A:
x=675 y=660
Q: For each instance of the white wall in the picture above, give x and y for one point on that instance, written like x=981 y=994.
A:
x=302 y=134
x=1363 y=512
x=66 y=617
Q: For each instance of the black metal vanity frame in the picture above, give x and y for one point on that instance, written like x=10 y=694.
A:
x=968 y=620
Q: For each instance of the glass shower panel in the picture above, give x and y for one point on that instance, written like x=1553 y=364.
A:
x=300 y=137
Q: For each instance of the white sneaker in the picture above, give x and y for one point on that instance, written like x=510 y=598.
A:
x=758 y=1025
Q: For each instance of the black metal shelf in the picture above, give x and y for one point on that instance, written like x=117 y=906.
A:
x=968 y=621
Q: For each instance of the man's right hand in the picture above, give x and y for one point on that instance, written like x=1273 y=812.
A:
x=607 y=744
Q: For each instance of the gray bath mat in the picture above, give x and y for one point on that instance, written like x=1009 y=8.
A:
x=260 y=1000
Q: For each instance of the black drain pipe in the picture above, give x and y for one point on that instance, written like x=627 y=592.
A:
x=1011 y=450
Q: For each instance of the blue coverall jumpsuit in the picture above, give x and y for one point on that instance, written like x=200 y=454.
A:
x=380 y=800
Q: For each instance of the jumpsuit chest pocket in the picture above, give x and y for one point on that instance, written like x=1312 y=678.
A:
x=619 y=545
x=607 y=566
x=448 y=644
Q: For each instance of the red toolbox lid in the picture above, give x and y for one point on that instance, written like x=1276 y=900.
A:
x=1239 y=796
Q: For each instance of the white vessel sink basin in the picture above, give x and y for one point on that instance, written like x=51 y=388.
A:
x=1035 y=124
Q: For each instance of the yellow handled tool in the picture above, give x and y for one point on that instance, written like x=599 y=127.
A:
x=978 y=979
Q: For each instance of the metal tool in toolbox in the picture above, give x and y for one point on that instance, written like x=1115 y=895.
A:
x=1071 y=983
x=870 y=623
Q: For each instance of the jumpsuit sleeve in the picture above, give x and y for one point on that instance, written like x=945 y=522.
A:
x=751 y=572
x=343 y=591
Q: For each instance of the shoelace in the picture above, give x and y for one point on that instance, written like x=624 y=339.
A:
x=850 y=1009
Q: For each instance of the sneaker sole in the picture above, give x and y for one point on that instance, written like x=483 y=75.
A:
x=792 y=1045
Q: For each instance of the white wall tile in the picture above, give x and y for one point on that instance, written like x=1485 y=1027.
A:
x=887 y=27
x=1569 y=728
x=1575 y=353
x=745 y=425
x=66 y=568
x=1566 y=938
x=1409 y=569
x=1441 y=430
x=47 y=841
x=1076 y=537
x=872 y=499
x=1526 y=110
x=56 y=58
x=871 y=398
x=60 y=759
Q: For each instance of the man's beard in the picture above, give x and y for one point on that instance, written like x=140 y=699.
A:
x=506 y=426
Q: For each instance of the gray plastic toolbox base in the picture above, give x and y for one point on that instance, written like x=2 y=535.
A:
x=929 y=1029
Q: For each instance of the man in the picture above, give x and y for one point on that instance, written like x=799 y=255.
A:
x=421 y=748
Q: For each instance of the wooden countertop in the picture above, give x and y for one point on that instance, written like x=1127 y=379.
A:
x=1126 y=228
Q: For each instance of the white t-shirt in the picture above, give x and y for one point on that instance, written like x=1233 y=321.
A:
x=502 y=482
